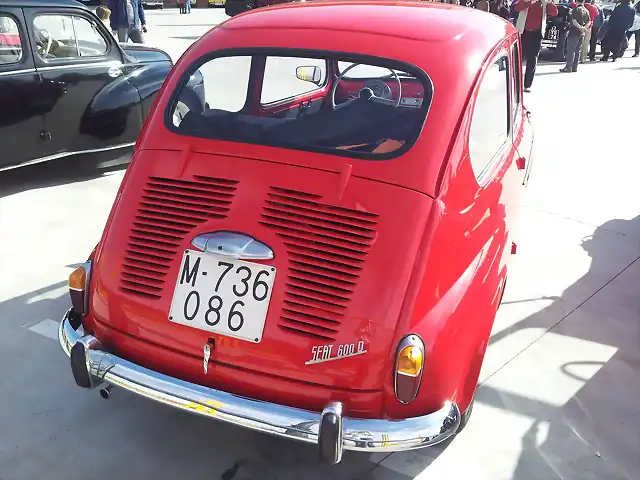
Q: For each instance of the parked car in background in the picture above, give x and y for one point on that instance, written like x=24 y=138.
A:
x=316 y=250
x=66 y=85
x=153 y=3
x=234 y=7
x=557 y=30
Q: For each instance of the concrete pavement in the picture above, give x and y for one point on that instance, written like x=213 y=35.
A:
x=561 y=379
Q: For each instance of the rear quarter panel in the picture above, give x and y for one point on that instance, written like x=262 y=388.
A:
x=459 y=276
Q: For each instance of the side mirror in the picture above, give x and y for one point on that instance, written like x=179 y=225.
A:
x=311 y=74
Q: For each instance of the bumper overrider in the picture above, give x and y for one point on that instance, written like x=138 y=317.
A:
x=93 y=366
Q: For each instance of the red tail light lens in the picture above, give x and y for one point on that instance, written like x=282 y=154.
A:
x=409 y=367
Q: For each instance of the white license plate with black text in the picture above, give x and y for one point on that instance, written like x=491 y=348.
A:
x=222 y=295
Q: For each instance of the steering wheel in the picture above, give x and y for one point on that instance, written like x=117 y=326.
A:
x=366 y=92
x=47 y=35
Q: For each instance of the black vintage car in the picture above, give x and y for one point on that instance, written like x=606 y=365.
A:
x=555 y=36
x=68 y=87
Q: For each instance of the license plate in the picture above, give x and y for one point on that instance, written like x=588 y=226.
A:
x=553 y=33
x=222 y=295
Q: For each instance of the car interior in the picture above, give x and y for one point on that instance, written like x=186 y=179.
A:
x=375 y=112
x=63 y=36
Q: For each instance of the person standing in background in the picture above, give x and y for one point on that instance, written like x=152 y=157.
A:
x=595 y=31
x=580 y=20
x=635 y=33
x=103 y=14
x=483 y=5
x=620 y=20
x=128 y=20
x=532 y=23
x=586 y=42
x=498 y=7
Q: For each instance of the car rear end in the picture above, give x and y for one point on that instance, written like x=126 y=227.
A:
x=260 y=271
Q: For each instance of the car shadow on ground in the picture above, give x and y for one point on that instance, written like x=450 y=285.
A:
x=61 y=171
x=593 y=429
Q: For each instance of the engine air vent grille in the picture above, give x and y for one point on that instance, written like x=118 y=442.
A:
x=327 y=246
x=168 y=210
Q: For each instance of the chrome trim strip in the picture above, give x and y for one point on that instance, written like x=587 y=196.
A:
x=112 y=63
x=17 y=72
x=67 y=154
x=384 y=435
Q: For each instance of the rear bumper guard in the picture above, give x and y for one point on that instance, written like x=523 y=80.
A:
x=92 y=366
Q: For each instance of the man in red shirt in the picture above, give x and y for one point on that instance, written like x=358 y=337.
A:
x=532 y=23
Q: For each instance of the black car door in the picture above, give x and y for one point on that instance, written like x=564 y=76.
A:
x=80 y=64
x=21 y=109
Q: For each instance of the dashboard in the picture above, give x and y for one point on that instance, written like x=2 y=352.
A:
x=412 y=90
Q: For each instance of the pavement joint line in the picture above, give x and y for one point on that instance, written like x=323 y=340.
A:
x=575 y=220
x=560 y=321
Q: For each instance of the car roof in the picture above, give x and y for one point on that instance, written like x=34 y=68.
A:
x=450 y=43
x=410 y=19
x=43 y=3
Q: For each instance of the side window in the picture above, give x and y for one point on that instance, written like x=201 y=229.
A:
x=91 y=43
x=10 y=41
x=491 y=120
x=66 y=36
x=227 y=83
x=517 y=69
x=279 y=83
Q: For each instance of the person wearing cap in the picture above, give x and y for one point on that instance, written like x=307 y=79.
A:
x=531 y=22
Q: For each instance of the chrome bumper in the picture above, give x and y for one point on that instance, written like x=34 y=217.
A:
x=376 y=435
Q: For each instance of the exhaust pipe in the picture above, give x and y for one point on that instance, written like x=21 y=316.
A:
x=105 y=392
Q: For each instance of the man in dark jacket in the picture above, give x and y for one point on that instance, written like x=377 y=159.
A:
x=128 y=20
x=620 y=20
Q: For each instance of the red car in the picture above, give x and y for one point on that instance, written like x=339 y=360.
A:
x=318 y=249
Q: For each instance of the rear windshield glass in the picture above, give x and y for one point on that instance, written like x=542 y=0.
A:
x=360 y=107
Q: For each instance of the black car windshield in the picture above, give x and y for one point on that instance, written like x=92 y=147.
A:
x=375 y=111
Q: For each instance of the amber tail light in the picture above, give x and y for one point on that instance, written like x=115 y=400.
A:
x=408 y=371
x=78 y=288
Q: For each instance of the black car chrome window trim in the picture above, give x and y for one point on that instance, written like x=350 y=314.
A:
x=31 y=16
x=17 y=72
x=24 y=40
x=112 y=63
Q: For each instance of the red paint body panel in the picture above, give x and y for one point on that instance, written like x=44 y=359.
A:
x=432 y=245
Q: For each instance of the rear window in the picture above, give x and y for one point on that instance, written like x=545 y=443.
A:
x=361 y=107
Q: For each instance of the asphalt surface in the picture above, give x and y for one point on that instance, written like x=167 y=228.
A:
x=560 y=384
